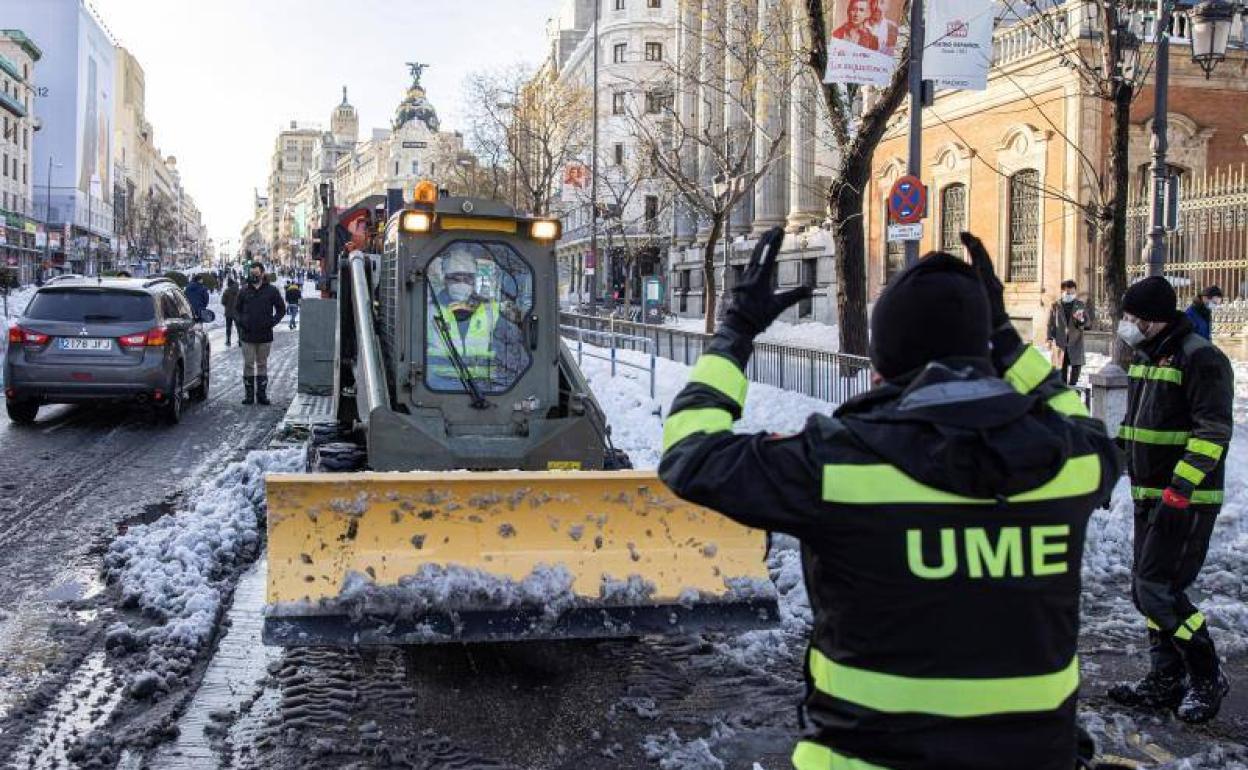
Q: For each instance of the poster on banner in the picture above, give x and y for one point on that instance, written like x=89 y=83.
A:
x=863 y=42
x=959 y=43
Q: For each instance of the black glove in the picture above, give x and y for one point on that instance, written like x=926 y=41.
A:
x=1005 y=339
x=755 y=304
x=988 y=277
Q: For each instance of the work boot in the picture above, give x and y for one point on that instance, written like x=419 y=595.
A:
x=249 y=390
x=262 y=386
x=1203 y=699
x=1155 y=691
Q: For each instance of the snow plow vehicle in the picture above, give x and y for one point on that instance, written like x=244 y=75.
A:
x=477 y=496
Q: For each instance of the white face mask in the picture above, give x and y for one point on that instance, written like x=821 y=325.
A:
x=458 y=291
x=1215 y=301
x=1068 y=297
x=1130 y=333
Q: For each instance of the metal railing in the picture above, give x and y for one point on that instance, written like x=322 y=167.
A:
x=821 y=374
x=613 y=342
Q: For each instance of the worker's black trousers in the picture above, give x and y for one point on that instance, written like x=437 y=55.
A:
x=1166 y=565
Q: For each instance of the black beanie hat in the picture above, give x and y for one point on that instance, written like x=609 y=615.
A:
x=934 y=309
x=1151 y=299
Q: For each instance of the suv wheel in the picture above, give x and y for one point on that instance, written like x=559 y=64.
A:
x=200 y=391
x=171 y=410
x=22 y=412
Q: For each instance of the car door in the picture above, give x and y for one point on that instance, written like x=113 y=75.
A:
x=176 y=330
x=193 y=339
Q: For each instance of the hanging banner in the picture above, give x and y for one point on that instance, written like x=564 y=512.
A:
x=863 y=42
x=959 y=43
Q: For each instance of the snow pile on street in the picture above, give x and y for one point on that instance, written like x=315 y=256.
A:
x=177 y=570
x=636 y=420
x=809 y=334
x=673 y=753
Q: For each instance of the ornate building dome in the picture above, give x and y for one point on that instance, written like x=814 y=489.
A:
x=415 y=105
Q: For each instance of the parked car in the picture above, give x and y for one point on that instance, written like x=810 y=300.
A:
x=129 y=340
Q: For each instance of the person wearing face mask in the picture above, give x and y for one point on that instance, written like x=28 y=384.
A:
x=1200 y=312
x=1175 y=434
x=1067 y=319
x=257 y=310
x=941 y=515
x=484 y=336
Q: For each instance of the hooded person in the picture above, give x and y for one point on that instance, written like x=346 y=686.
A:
x=941 y=515
x=1176 y=432
x=1200 y=312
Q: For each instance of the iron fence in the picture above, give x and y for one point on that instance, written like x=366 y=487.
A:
x=821 y=374
x=612 y=340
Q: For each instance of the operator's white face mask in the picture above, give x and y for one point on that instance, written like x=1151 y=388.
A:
x=1068 y=297
x=1130 y=333
x=458 y=291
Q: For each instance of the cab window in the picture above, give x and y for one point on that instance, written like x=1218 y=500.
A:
x=476 y=299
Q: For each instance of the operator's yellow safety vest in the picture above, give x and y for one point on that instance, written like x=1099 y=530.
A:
x=475 y=347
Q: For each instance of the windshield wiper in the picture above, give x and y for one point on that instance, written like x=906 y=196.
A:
x=461 y=369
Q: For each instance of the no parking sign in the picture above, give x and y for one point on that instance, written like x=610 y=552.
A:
x=907 y=201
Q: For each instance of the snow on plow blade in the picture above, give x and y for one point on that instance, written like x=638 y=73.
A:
x=429 y=557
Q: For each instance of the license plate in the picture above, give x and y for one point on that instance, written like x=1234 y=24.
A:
x=84 y=343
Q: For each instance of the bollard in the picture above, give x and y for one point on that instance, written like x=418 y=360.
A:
x=1109 y=396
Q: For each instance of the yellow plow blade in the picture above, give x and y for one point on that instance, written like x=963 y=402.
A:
x=426 y=557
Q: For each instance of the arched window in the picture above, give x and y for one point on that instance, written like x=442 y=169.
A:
x=952 y=217
x=1024 y=226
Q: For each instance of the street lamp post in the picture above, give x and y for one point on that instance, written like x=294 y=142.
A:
x=47 y=215
x=1211 y=27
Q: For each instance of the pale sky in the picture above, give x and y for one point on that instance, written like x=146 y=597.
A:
x=223 y=76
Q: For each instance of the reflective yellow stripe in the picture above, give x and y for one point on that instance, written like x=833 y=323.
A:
x=1068 y=403
x=1186 y=470
x=815 y=756
x=689 y=421
x=1152 y=626
x=895 y=694
x=721 y=374
x=1028 y=371
x=1164 y=373
x=1207 y=448
x=1189 y=626
x=885 y=484
x=1199 y=497
x=1146 y=436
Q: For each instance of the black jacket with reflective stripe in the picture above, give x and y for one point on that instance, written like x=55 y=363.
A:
x=1177 y=428
x=942 y=528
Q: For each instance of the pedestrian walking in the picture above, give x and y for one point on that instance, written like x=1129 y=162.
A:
x=1068 y=317
x=1200 y=312
x=942 y=518
x=1180 y=390
x=293 y=295
x=259 y=309
x=229 y=298
x=198 y=296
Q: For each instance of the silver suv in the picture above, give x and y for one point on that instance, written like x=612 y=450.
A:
x=106 y=339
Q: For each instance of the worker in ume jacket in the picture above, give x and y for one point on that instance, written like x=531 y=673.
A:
x=941 y=515
x=1176 y=434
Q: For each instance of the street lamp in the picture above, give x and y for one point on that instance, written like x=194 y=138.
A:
x=726 y=187
x=1211 y=31
x=1128 y=53
x=1211 y=27
x=47 y=215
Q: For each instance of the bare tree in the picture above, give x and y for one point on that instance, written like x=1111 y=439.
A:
x=534 y=121
x=857 y=131
x=151 y=226
x=464 y=172
x=1108 y=66
x=742 y=68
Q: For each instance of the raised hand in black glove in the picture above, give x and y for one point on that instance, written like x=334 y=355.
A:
x=754 y=303
x=1005 y=340
x=988 y=277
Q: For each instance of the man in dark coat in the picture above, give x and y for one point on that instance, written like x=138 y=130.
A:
x=197 y=294
x=258 y=309
x=229 y=298
x=1067 y=319
x=1200 y=312
x=1176 y=433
